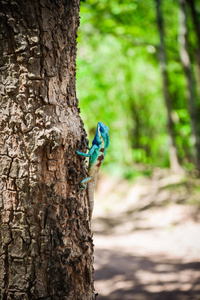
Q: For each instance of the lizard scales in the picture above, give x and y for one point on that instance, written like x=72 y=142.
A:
x=96 y=156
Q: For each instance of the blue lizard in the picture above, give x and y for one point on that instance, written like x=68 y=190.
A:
x=96 y=156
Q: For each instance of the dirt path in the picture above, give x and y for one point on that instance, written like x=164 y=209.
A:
x=147 y=247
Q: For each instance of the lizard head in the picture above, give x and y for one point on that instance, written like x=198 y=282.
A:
x=102 y=130
x=103 y=133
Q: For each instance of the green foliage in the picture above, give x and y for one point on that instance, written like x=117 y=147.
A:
x=119 y=80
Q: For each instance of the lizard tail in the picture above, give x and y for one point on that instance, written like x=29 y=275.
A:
x=91 y=200
x=91 y=211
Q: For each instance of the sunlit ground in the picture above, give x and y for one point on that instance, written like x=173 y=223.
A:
x=147 y=238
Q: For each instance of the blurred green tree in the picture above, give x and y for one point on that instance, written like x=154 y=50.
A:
x=120 y=83
x=173 y=155
x=186 y=62
x=196 y=25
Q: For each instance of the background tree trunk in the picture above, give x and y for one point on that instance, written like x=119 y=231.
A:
x=196 y=25
x=45 y=243
x=174 y=161
x=186 y=62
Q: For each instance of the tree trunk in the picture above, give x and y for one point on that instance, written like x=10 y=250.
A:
x=45 y=243
x=173 y=155
x=192 y=107
x=196 y=24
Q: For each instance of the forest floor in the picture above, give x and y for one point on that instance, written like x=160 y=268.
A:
x=147 y=238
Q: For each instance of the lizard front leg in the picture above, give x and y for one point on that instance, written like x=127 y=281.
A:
x=83 y=154
x=86 y=146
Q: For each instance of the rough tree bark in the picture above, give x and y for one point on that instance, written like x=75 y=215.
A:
x=45 y=243
x=173 y=155
x=186 y=62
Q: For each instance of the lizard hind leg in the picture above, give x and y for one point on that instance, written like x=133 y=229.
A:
x=84 y=182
